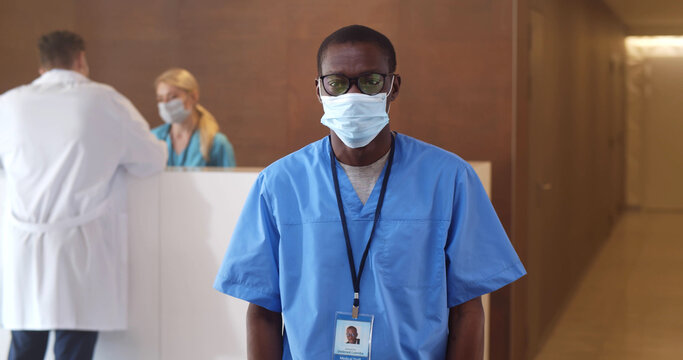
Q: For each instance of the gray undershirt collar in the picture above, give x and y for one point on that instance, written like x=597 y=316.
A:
x=363 y=178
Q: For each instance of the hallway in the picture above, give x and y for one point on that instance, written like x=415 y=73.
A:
x=630 y=303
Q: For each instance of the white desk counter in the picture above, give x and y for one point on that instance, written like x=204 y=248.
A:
x=179 y=226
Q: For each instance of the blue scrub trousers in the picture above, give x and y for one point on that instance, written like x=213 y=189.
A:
x=69 y=345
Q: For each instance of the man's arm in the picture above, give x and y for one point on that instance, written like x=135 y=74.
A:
x=143 y=154
x=264 y=334
x=466 y=331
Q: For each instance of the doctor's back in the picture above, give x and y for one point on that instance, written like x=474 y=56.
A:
x=64 y=138
x=66 y=145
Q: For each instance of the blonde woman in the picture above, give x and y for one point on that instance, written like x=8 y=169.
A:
x=191 y=132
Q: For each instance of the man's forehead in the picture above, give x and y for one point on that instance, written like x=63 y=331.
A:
x=354 y=58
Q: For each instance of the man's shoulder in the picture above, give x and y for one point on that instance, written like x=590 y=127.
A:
x=92 y=87
x=303 y=157
x=301 y=161
x=106 y=96
x=9 y=94
x=106 y=88
x=422 y=152
x=102 y=89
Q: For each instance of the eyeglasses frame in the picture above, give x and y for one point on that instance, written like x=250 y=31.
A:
x=354 y=80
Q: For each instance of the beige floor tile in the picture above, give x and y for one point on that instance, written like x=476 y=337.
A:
x=630 y=303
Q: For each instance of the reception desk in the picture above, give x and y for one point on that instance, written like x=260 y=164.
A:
x=180 y=224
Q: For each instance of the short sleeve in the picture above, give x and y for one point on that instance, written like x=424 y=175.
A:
x=250 y=268
x=479 y=256
x=222 y=153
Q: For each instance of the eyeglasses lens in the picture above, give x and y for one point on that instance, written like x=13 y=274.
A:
x=336 y=84
x=371 y=84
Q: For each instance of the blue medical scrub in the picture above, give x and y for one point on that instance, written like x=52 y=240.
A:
x=438 y=243
x=221 y=154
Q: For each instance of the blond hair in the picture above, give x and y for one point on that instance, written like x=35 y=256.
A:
x=207 y=124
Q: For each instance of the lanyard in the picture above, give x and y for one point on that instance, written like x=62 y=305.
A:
x=356 y=278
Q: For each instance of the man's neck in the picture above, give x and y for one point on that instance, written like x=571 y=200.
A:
x=43 y=70
x=363 y=156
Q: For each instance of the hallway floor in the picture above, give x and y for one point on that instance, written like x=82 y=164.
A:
x=630 y=304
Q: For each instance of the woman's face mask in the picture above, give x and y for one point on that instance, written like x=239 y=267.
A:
x=173 y=111
x=174 y=103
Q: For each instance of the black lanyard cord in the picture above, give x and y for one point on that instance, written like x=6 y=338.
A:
x=356 y=278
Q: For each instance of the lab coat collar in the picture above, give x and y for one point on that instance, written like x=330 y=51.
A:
x=61 y=76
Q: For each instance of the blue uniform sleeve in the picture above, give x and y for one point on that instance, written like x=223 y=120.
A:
x=222 y=153
x=250 y=268
x=479 y=256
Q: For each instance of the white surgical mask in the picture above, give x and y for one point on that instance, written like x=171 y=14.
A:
x=174 y=111
x=354 y=117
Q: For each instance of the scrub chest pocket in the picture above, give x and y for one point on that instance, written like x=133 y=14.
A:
x=411 y=253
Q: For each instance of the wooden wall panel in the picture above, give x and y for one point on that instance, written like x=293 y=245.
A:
x=21 y=24
x=574 y=150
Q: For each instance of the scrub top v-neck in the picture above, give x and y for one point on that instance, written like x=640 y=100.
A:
x=221 y=153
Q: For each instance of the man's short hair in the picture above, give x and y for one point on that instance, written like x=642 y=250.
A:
x=358 y=33
x=59 y=49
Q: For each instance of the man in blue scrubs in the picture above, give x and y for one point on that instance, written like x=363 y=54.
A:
x=366 y=228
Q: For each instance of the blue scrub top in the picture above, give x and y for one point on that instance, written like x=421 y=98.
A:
x=221 y=154
x=438 y=243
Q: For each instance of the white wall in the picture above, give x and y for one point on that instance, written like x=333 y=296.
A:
x=179 y=227
x=654 y=126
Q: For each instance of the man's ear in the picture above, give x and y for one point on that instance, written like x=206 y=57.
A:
x=396 y=87
x=317 y=90
x=78 y=62
x=81 y=64
x=42 y=70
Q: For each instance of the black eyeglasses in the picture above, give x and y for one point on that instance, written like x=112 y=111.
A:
x=338 y=84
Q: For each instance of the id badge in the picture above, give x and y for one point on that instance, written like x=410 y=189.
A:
x=352 y=337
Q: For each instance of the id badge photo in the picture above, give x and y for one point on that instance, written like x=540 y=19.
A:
x=352 y=337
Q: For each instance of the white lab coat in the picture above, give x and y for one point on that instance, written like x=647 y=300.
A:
x=66 y=144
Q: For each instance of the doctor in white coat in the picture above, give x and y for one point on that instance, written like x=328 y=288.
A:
x=66 y=145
